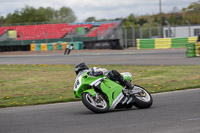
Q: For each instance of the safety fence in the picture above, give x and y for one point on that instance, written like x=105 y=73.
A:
x=54 y=46
x=164 y=43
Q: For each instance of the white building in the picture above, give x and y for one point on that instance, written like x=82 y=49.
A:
x=181 y=31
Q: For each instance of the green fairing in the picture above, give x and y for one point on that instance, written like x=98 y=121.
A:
x=91 y=91
x=109 y=87
x=128 y=78
x=86 y=80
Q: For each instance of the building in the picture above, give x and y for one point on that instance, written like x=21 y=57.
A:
x=181 y=31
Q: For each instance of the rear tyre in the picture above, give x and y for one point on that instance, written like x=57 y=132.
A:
x=144 y=99
x=99 y=105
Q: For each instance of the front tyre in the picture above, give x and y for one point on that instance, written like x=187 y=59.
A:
x=143 y=99
x=97 y=105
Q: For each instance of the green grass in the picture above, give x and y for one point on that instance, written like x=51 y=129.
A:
x=40 y=84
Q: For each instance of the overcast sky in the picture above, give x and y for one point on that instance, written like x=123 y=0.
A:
x=98 y=8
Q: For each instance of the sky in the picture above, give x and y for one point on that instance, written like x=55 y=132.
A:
x=108 y=9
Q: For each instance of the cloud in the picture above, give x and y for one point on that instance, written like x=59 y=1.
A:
x=98 y=8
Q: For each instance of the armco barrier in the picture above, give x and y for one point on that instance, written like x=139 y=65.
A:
x=164 y=43
x=141 y=43
x=178 y=42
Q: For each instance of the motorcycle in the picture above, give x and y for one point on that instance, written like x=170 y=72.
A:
x=101 y=94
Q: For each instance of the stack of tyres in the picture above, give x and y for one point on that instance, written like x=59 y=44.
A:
x=43 y=47
x=59 y=46
x=54 y=46
x=190 y=52
x=49 y=46
x=33 y=47
x=78 y=45
x=197 y=49
x=38 y=46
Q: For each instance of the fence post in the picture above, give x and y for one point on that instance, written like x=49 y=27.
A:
x=98 y=34
x=150 y=32
x=168 y=27
x=133 y=35
x=120 y=36
x=125 y=36
x=140 y=28
x=158 y=29
x=189 y=30
x=22 y=40
x=46 y=36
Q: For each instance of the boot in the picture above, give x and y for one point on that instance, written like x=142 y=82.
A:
x=125 y=83
x=116 y=76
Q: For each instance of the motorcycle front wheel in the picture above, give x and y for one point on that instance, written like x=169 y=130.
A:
x=97 y=105
x=143 y=99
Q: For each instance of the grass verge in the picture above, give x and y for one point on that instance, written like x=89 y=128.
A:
x=40 y=84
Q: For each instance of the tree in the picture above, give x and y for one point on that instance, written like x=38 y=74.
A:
x=132 y=18
x=2 y=20
x=163 y=19
x=65 y=15
x=48 y=12
x=31 y=14
x=90 y=19
x=191 y=13
x=13 y=18
x=142 y=21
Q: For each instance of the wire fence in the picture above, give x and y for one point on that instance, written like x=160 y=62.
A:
x=126 y=35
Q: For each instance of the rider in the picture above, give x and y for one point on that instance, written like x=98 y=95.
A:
x=94 y=71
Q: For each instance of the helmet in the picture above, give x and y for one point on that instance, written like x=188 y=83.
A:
x=80 y=66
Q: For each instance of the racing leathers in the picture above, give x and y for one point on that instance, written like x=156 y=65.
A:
x=113 y=75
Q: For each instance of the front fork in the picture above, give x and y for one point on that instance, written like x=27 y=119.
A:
x=133 y=91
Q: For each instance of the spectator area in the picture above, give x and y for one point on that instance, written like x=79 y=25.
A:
x=54 y=31
x=102 y=29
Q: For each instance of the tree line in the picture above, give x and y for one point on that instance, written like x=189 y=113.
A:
x=185 y=16
x=30 y=14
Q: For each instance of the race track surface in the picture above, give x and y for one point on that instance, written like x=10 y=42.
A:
x=126 y=57
x=172 y=112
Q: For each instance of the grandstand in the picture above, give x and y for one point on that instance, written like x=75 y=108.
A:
x=56 y=31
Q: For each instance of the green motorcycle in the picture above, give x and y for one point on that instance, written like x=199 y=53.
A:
x=100 y=94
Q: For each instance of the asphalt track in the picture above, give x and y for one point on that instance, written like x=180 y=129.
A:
x=172 y=112
x=126 y=57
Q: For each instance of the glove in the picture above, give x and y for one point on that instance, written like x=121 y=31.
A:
x=98 y=71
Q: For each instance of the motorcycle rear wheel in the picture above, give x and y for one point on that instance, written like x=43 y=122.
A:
x=99 y=105
x=142 y=100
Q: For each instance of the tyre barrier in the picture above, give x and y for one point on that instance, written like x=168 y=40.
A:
x=164 y=43
x=54 y=46
x=193 y=50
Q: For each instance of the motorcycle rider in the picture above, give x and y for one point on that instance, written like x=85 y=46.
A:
x=94 y=71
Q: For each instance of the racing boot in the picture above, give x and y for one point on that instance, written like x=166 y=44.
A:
x=125 y=83
x=116 y=76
